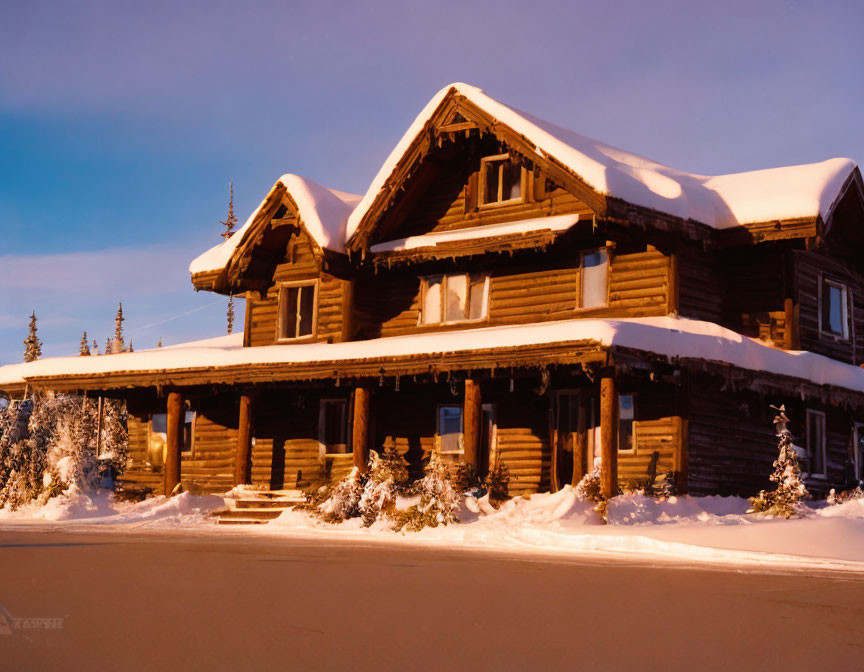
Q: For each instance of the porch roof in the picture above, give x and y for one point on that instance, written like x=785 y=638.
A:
x=225 y=360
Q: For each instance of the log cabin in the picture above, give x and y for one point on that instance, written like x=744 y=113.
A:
x=511 y=291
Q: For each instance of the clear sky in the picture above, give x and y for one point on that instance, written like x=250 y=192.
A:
x=121 y=123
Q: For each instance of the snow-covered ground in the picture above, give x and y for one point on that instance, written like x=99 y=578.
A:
x=702 y=531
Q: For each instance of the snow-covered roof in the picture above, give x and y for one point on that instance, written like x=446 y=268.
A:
x=666 y=336
x=720 y=201
x=555 y=224
x=324 y=213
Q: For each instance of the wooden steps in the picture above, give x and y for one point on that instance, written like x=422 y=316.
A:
x=258 y=507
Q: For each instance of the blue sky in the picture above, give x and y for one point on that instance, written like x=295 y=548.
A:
x=121 y=123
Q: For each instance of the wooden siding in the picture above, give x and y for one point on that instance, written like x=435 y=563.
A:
x=810 y=266
x=536 y=290
x=656 y=431
x=209 y=467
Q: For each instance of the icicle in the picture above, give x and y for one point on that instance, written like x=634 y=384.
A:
x=381 y=378
x=397 y=382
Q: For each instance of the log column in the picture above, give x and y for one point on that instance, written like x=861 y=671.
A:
x=580 y=441
x=245 y=436
x=608 y=435
x=471 y=416
x=360 y=429
x=176 y=410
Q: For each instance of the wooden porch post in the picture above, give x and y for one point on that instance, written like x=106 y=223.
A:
x=471 y=417
x=245 y=435
x=360 y=429
x=174 y=444
x=608 y=435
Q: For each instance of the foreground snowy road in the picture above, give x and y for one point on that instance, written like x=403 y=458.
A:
x=212 y=601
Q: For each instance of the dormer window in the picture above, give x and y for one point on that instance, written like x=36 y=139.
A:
x=297 y=310
x=500 y=180
x=459 y=297
x=834 y=309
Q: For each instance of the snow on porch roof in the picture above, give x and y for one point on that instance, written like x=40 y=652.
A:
x=324 y=213
x=556 y=224
x=667 y=336
x=720 y=201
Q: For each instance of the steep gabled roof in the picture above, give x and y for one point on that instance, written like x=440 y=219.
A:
x=720 y=201
x=323 y=213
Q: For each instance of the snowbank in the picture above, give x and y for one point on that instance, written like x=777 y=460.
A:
x=324 y=212
x=101 y=508
x=721 y=201
x=692 y=530
x=668 y=336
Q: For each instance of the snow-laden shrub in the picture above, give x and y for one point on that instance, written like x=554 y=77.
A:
x=440 y=498
x=497 y=484
x=48 y=445
x=341 y=501
x=388 y=478
x=836 y=498
x=588 y=489
x=786 y=500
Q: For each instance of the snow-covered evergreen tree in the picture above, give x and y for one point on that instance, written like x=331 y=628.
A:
x=388 y=477
x=343 y=500
x=230 y=315
x=230 y=221
x=785 y=500
x=95 y=350
x=497 y=483
x=439 y=499
x=32 y=344
x=119 y=344
x=588 y=489
x=84 y=349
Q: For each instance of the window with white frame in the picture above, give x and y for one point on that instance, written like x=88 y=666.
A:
x=500 y=180
x=297 y=312
x=595 y=279
x=449 y=428
x=333 y=426
x=834 y=308
x=816 y=442
x=459 y=297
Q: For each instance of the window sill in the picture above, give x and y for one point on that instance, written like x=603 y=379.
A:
x=301 y=339
x=498 y=204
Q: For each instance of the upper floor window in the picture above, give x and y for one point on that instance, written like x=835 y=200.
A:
x=500 y=180
x=816 y=442
x=333 y=425
x=834 y=308
x=297 y=310
x=595 y=279
x=454 y=298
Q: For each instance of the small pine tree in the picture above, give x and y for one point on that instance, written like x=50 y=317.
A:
x=130 y=346
x=231 y=221
x=109 y=348
x=343 y=500
x=439 y=499
x=230 y=314
x=497 y=483
x=119 y=345
x=388 y=477
x=588 y=489
x=159 y=342
x=84 y=350
x=785 y=500
x=95 y=347
x=32 y=344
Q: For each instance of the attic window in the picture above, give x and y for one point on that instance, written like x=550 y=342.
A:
x=297 y=312
x=281 y=212
x=500 y=180
x=833 y=309
x=454 y=298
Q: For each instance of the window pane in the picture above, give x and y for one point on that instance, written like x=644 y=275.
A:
x=334 y=426
x=187 y=430
x=457 y=297
x=835 y=303
x=432 y=301
x=815 y=440
x=491 y=195
x=289 y=312
x=159 y=423
x=512 y=181
x=595 y=267
x=626 y=416
x=477 y=309
x=450 y=427
x=307 y=310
